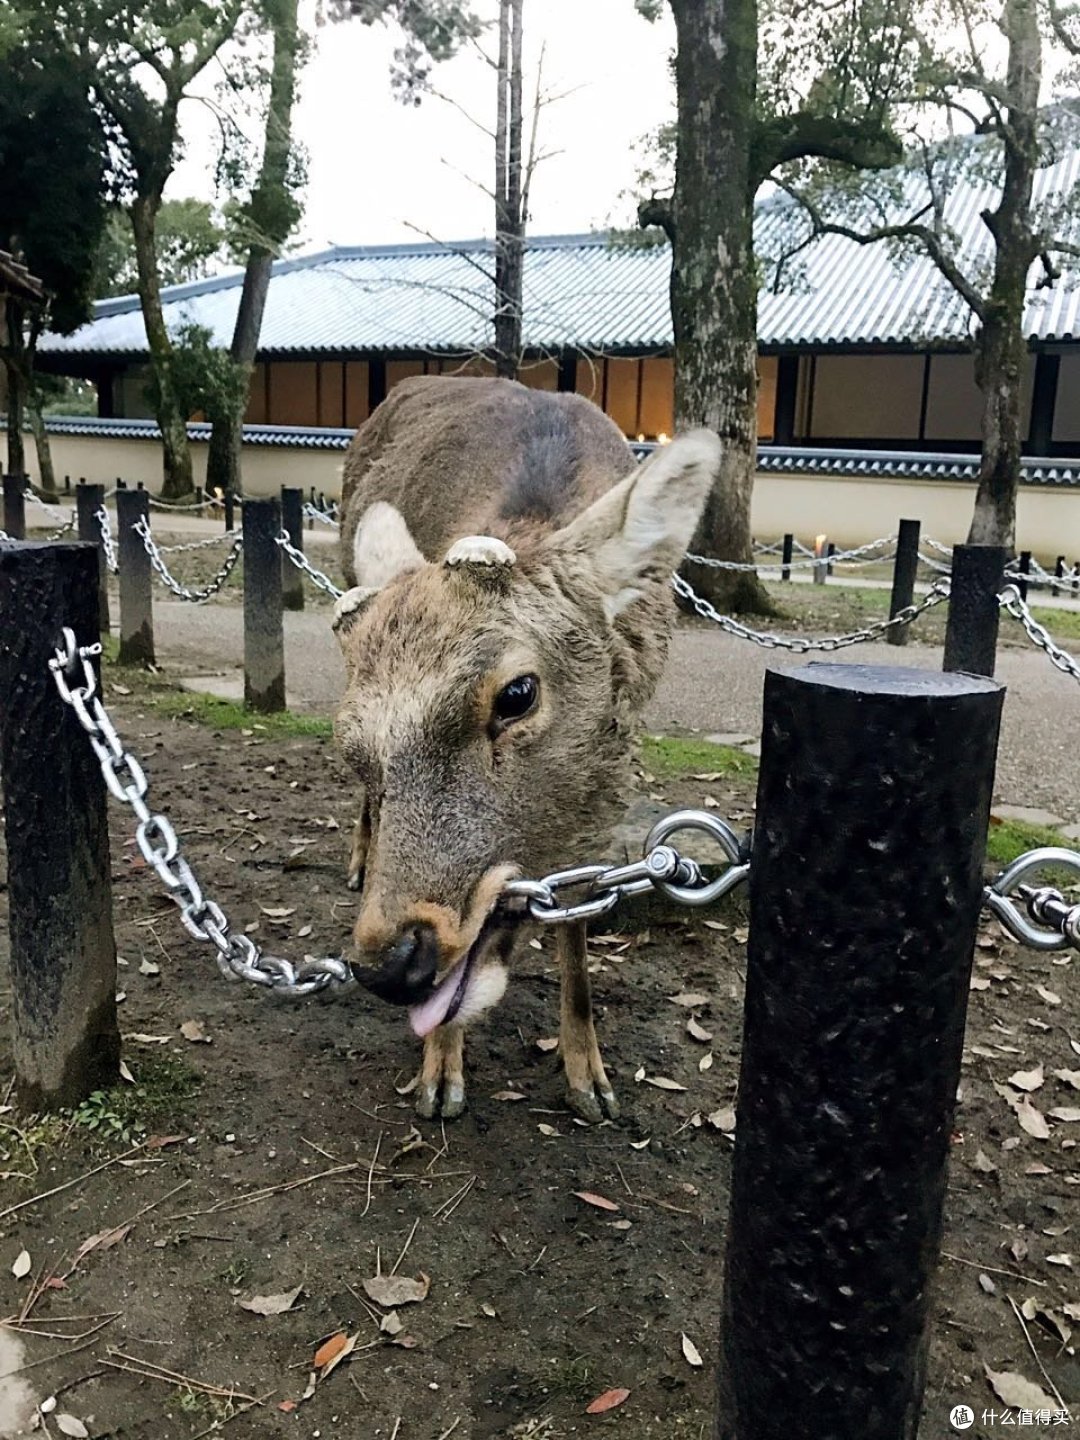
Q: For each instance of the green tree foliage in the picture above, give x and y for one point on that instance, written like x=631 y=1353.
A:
x=52 y=168
x=191 y=240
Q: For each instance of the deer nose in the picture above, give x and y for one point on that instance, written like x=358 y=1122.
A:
x=406 y=970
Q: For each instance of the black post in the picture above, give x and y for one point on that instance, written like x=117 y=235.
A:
x=67 y=484
x=789 y=543
x=1025 y=569
x=136 y=581
x=199 y=500
x=89 y=499
x=832 y=552
x=978 y=573
x=905 y=567
x=230 y=509
x=292 y=518
x=264 y=634
x=121 y=484
x=15 y=506
x=1059 y=571
x=862 y=933
x=63 y=956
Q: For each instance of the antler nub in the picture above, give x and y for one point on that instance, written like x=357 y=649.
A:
x=479 y=550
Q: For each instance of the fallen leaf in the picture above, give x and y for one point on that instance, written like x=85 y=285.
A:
x=159 y=1142
x=409 y=1086
x=341 y=1352
x=1016 y=1391
x=508 y=1095
x=1047 y=995
x=639 y=1144
x=698 y=1032
x=987 y=1285
x=662 y=1082
x=1073 y=1311
x=329 y=1348
x=309 y=1391
x=1063 y=1259
x=489 y=1310
x=125 y=1073
x=548 y=1130
x=597 y=1200
x=1037 y=1168
x=1064 y=1112
x=393 y=1290
x=979 y=982
x=689 y=1000
x=69 y=1425
x=150 y=1039
x=1068 y=1077
x=147 y=967
x=691 y=1353
x=1018 y=1249
x=406 y=1342
x=1027 y=1079
x=278 y=912
x=983 y=1163
x=706 y=1061
x=271 y=1304
x=391 y=1324
x=1075 y=1044
x=1032 y=1121
x=303 y=932
x=723 y=1119
x=607 y=1401
x=22 y=1265
x=549 y=1042
x=103 y=1240
x=639 y=1074
x=192 y=1030
x=288 y=1406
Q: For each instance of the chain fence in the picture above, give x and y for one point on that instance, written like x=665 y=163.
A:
x=108 y=544
x=68 y=525
x=208 y=544
x=325 y=517
x=304 y=565
x=182 y=592
x=1012 y=603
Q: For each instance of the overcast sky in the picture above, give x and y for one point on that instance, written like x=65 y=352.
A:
x=377 y=167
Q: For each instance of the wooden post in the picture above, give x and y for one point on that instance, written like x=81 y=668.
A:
x=63 y=956
x=136 y=581
x=1059 y=571
x=230 y=509
x=905 y=567
x=862 y=933
x=199 y=498
x=821 y=567
x=978 y=573
x=789 y=543
x=264 y=631
x=1025 y=569
x=89 y=499
x=292 y=518
x=15 y=506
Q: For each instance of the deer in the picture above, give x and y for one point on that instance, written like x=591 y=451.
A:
x=508 y=615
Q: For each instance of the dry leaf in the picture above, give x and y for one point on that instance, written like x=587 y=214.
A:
x=639 y=1074
x=550 y=1042
x=723 y=1119
x=508 y=1095
x=979 y=982
x=607 y=1401
x=689 y=1000
x=489 y=1310
x=288 y=1406
x=698 y=1032
x=159 y=1142
x=1014 y=1390
x=1068 y=1077
x=271 y=1304
x=69 y=1425
x=1027 y=1079
x=1073 y=1311
x=22 y=1265
x=548 y=1130
x=1075 y=1044
x=597 y=1200
x=344 y=1346
x=983 y=1163
x=987 y=1285
x=662 y=1082
x=303 y=932
x=103 y=1240
x=125 y=1073
x=705 y=1063
x=1032 y=1121
x=393 y=1290
x=409 y=1086
x=281 y=912
x=1065 y=1260
x=691 y=1353
x=391 y=1324
x=1064 y=1112
x=150 y=1039
x=192 y=1030
x=147 y=967
x=1047 y=995
x=1037 y=1168
x=329 y=1348
x=639 y=1144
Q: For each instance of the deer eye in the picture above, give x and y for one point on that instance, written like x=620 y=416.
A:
x=514 y=701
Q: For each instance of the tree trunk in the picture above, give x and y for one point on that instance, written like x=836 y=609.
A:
x=1001 y=349
x=713 y=279
x=272 y=214
x=16 y=386
x=178 y=481
x=41 y=441
x=509 y=215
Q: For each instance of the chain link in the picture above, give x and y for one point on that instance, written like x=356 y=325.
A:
x=67 y=526
x=314 y=513
x=237 y=955
x=1038 y=634
x=849 y=557
x=1051 y=923
x=211 y=500
x=938 y=593
x=108 y=544
x=302 y=563
x=661 y=868
x=196 y=544
x=197 y=597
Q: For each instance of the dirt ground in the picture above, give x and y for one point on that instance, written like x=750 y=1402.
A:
x=292 y=1162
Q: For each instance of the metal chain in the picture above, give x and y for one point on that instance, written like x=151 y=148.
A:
x=108 y=544
x=302 y=563
x=849 y=557
x=168 y=505
x=64 y=529
x=237 y=955
x=938 y=593
x=195 y=544
x=314 y=513
x=1051 y=922
x=181 y=591
x=1011 y=602
x=661 y=868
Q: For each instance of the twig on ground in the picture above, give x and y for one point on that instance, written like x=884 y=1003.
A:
x=622 y=1177
x=370 y=1173
x=82 y=1380
x=405 y=1247
x=67 y=1185
x=47 y=1359
x=447 y=1208
x=1038 y=1361
x=450 y=1430
x=320 y=1151
x=253 y=1197
x=993 y=1269
x=397 y=1427
x=151 y=1371
x=217 y=1425
x=533 y=1265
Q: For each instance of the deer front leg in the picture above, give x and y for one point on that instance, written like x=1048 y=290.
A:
x=589 y=1093
x=441 y=1090
x=361 y=839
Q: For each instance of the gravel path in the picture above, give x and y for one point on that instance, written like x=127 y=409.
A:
x=713 y=684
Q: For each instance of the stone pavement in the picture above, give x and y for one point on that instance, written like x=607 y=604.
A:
x=713 y=685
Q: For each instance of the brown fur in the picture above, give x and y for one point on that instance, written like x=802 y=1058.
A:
x=453 y=800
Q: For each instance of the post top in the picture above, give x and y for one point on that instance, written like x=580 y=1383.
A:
x=890 y=680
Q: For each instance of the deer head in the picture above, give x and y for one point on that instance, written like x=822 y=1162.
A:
x=485 y=713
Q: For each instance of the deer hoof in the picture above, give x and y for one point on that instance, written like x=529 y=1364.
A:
x=355 y=880
x=593 y=1106
x=440 y=1102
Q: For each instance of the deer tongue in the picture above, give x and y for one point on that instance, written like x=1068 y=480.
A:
x=444 y=1001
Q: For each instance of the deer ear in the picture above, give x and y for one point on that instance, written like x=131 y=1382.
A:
x=643 y=525
x=383 y=546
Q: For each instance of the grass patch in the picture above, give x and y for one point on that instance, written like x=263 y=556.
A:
x=164 y=1084
x=1059 y=622
x=671 y=756
x=1010 y=839
x=220 y=714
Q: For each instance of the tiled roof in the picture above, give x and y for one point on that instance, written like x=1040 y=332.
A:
x=776 y=459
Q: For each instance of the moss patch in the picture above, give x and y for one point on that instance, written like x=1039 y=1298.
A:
x=1009 y=839
x=229 y=715
x=674 y=755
